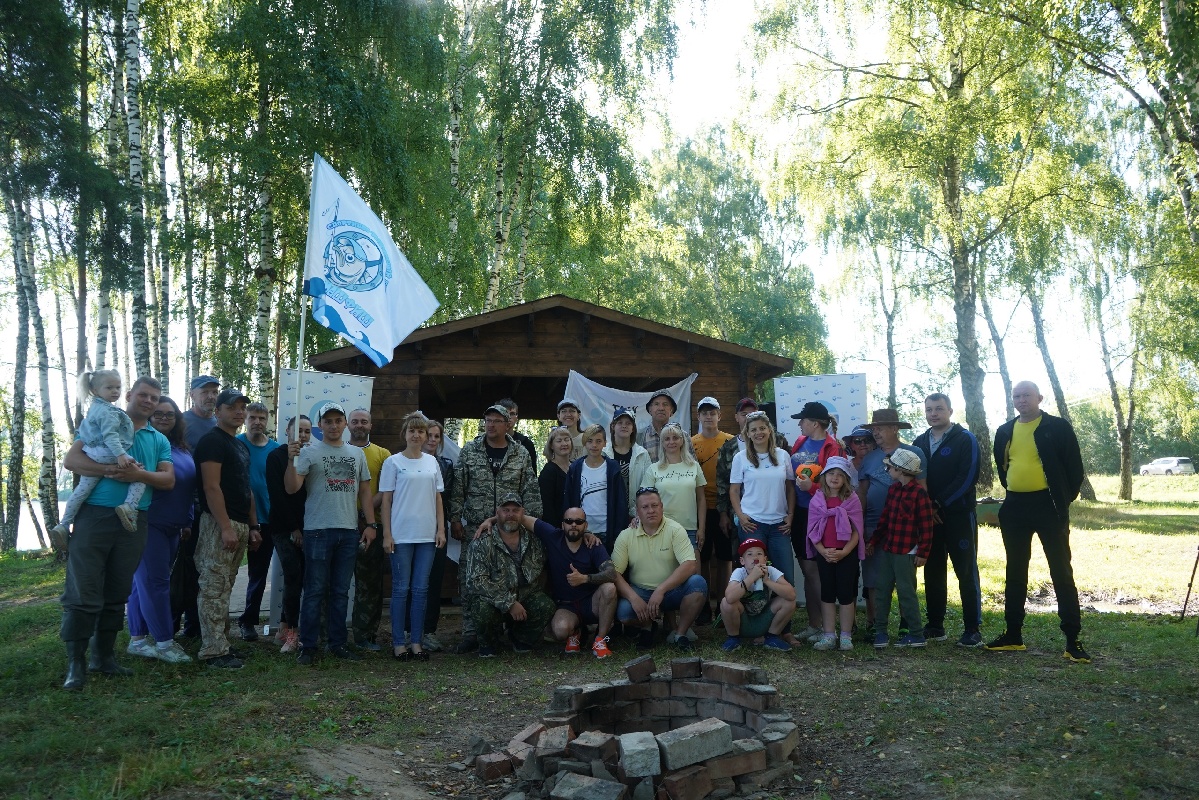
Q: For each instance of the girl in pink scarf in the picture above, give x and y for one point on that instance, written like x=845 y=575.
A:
x=835 y=541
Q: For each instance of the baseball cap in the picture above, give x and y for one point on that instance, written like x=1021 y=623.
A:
x=566 y=402
x=708 y=401
x=813 y=410
x=748 y=543
x=510 y=497
x=623 y=411
x=204 y=380
x=746 y=402
x=328 y=407
x=496 y=408
x=229 y=397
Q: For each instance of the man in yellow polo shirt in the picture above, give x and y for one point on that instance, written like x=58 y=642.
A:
x=655 y=572
x=1040 y=464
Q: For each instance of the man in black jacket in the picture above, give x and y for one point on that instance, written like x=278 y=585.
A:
x=952 y=454
x=1040 y=465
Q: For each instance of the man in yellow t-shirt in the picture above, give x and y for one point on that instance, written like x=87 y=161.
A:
x=656 y=572
x=368 y=568
x=1040 y=464
x=716 y=555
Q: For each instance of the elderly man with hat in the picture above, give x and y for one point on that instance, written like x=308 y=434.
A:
x=228 y=524
x=337 y=480
x=201 y=417
x=505 y=569
x=874 y=479
x=488 y=468
x=661 y=408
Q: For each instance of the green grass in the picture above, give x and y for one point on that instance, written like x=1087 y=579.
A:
x=943 y=722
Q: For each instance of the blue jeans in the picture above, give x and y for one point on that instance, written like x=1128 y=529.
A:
x=410 y=567
x=670 y=601
x=778 y=547
x=329 y=556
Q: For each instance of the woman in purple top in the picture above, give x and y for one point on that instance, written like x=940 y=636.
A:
x=170 y=518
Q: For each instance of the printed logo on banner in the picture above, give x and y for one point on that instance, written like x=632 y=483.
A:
x=355 y=259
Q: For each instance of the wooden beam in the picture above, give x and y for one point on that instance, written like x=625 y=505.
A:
x=474 y=336
x=639 y=339
x=641 y=386
x=586 y=330
x=529 y=329
x=437 y=389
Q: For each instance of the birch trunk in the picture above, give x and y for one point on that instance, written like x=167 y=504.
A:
x=37 y=527
x=497 y=251
x=518 y=291
x=997 y=338
x=1123 y=423
x=1059 y=395
x=16 y=426
x=137 y=227
x=264 y=274
x=62 y=361
x=189 y=251
x=164 y=260
x=83 y=221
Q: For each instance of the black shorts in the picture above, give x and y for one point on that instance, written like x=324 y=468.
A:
x=838 y=582
x=583 y=611
x=717 y=544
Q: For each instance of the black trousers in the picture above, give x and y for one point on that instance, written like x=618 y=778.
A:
x=100 y=564
x=954 y=540
x=258 y=565
x=1022 y=515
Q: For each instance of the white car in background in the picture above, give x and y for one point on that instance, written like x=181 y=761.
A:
x=1168 y=466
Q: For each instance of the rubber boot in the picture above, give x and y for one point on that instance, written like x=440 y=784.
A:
x=76 y=665
x=103 y=658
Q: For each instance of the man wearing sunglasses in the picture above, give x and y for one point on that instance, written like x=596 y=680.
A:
x=582 y=578
x=656 y=571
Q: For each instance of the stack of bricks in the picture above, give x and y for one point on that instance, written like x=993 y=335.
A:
x=704 y=729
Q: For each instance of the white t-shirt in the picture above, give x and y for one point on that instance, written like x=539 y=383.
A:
x=593 y=489
x=740 y=572
x=415 y=484
x=763 y=488
x=676 y=483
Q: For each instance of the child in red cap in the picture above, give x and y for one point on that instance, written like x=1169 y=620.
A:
x=758 y=600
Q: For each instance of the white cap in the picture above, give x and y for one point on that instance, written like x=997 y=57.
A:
x=709 y=401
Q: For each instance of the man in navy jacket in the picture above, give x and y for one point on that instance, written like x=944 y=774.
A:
x=952 y=455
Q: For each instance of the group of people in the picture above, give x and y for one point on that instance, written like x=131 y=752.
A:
x=621 y=528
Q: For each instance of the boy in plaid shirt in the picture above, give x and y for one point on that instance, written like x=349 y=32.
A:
x=904 y=537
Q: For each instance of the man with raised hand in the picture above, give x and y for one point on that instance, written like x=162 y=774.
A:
x=258 y=561
x=103 y=555
x=952 y=453
x=228 y=524
x=368 y=568
x=1040 y=464
x=335 y=476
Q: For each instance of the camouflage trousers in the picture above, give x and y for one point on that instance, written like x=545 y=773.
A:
x=368 y=591
x=217 y=568
x=489 y=620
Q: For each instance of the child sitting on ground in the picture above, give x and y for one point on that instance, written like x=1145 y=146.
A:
x=904 y=536
x=758 y=600
x=835 y=535
x=107 y=435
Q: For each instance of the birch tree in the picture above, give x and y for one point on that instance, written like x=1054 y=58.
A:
x=137 y=232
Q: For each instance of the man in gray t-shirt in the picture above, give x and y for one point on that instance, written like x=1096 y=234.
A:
x=873 y=483
x=336 y=478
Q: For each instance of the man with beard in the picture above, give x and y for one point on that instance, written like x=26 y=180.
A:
x=368 y=568
x=185 y=581
x=582 y=577
x=505 y=565
x=258 y=562
x=201 y=417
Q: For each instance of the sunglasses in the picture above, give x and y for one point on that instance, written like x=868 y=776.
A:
x=570 y=521
x=648 y=490
x=757 y=415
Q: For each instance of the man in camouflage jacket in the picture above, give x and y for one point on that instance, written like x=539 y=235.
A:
x=488 y=468
x=505 y=576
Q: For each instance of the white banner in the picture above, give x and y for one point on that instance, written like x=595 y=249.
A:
x=598 y=402
x=351 y=391
x=843 y=395
x=361 y=285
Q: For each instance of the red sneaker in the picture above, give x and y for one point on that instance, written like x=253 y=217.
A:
x=600 y=648
x=572 y=644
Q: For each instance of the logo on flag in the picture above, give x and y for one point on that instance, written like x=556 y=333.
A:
x=361 y=285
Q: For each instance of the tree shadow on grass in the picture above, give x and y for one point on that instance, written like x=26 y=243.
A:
x=1158 y=521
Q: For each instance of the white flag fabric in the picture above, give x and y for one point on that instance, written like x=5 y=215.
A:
x=597 y=402
x=361 y=285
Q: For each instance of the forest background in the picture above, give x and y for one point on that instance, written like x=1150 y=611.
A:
x=951 y=194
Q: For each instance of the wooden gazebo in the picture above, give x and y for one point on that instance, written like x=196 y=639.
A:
x=458 y=368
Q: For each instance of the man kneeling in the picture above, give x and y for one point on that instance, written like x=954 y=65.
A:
x=582 y=578
x=656 y=571
x=505 y=580
x=758 y=600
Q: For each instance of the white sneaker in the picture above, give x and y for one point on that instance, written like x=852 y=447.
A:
x=672 y=637
x=691 y=634
x=809 y=634
x=173 y=654
x=128 y=516
x=846 y=643
x=141 y=647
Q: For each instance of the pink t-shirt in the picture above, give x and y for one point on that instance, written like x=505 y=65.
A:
x=830 y=525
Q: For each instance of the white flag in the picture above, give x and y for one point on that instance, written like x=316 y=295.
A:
x=361 y=285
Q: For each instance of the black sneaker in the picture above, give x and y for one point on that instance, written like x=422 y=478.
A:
x=519 y=646
x=306 y=657
x=344 y=653
x=1007 y=641
x=971 y=639
x=647 y=638
x=226 y=661
x=486 y=652
x=468 y=645
x=935 y=634
x=248 y=632
x=1076 y=653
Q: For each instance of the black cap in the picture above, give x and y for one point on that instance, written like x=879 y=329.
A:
x=229 y=397
x=813 y=410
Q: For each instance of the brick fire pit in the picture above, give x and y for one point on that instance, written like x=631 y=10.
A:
x=706 y=729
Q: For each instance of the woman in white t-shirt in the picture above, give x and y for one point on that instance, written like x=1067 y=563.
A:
x=760 y=492
x=410 y=483
x=680 y=482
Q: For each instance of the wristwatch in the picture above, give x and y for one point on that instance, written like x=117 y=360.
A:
x=256 y=528
x=376 y=525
